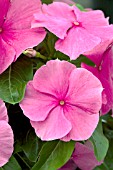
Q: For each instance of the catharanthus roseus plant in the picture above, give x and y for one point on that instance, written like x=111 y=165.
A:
x=56 y=86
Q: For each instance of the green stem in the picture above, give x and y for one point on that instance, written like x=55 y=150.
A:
x=38 y=55
x=23 y=161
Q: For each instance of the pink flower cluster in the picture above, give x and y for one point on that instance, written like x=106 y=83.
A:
x=62 y=101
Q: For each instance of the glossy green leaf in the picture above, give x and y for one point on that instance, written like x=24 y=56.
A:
x=11 y=165
x=13 y=80
x=30 y=146
x=54 y=154
x=102 y=167
x=100 y=143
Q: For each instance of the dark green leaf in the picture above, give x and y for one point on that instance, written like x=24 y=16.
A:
x=30 y=146
x=47 y=1
x=54 y=154
x=109 y=156
x=13 y=80
x=100 y=143
x=11 y=165
x=102 y=167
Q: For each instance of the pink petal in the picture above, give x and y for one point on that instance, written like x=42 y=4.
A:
x=3 y=111
x=84 y=156
x=54 y=127
x=93 y=18
x=6 y=142
x=78 y=41
x=23 y=39
x=83 y=123
x=56 y=17
x=53 y=78
x=35 y=105
x=85 y=91
x=4 y=5
x=7 y=54
x=96 y=53
x=20 y=14
x=104 y=32
x=103 y=74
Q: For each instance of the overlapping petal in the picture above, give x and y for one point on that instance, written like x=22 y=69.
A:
x=54 y=127
x=23 y=39
x=86 y=94
x=36 y=106
x=56 y=17
x=7 y=54
x=53 y=78
x=77 y=41
x=83 y=123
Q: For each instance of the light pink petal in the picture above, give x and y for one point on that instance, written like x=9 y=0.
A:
x=6 y=142
x=57 y=18
x=4 y=5
x=93 y=18
x=35 y=105
x=3 y=111
x=84 y=156
x=54 y=127
x=85 y=91
x=7 y=54
x=83 y=123
x=53 y=77
x=78 y=41
x=20 y=40
x=20 y=14
x=105 y=32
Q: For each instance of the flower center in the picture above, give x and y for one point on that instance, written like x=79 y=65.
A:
x=1 y=30
x=76 y=23
x=62 y=102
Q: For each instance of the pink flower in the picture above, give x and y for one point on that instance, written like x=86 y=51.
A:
x=16 y=34
x=6 y=136
x=78 y=31
x=104 y=72
x=63 y=102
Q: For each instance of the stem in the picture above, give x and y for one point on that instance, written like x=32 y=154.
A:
x=38 y=55
x=23 y=161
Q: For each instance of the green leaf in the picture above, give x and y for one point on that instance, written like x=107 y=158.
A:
x=54 y=154
x=109 y=156
x=13 y=80
x=102 y=167
x=47 y=1
x=100 y=143
x=11 y=165
x=82 y=59
x=30 y=147
x=80 y=7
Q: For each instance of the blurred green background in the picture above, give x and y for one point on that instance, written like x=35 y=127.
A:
x=105 y=5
